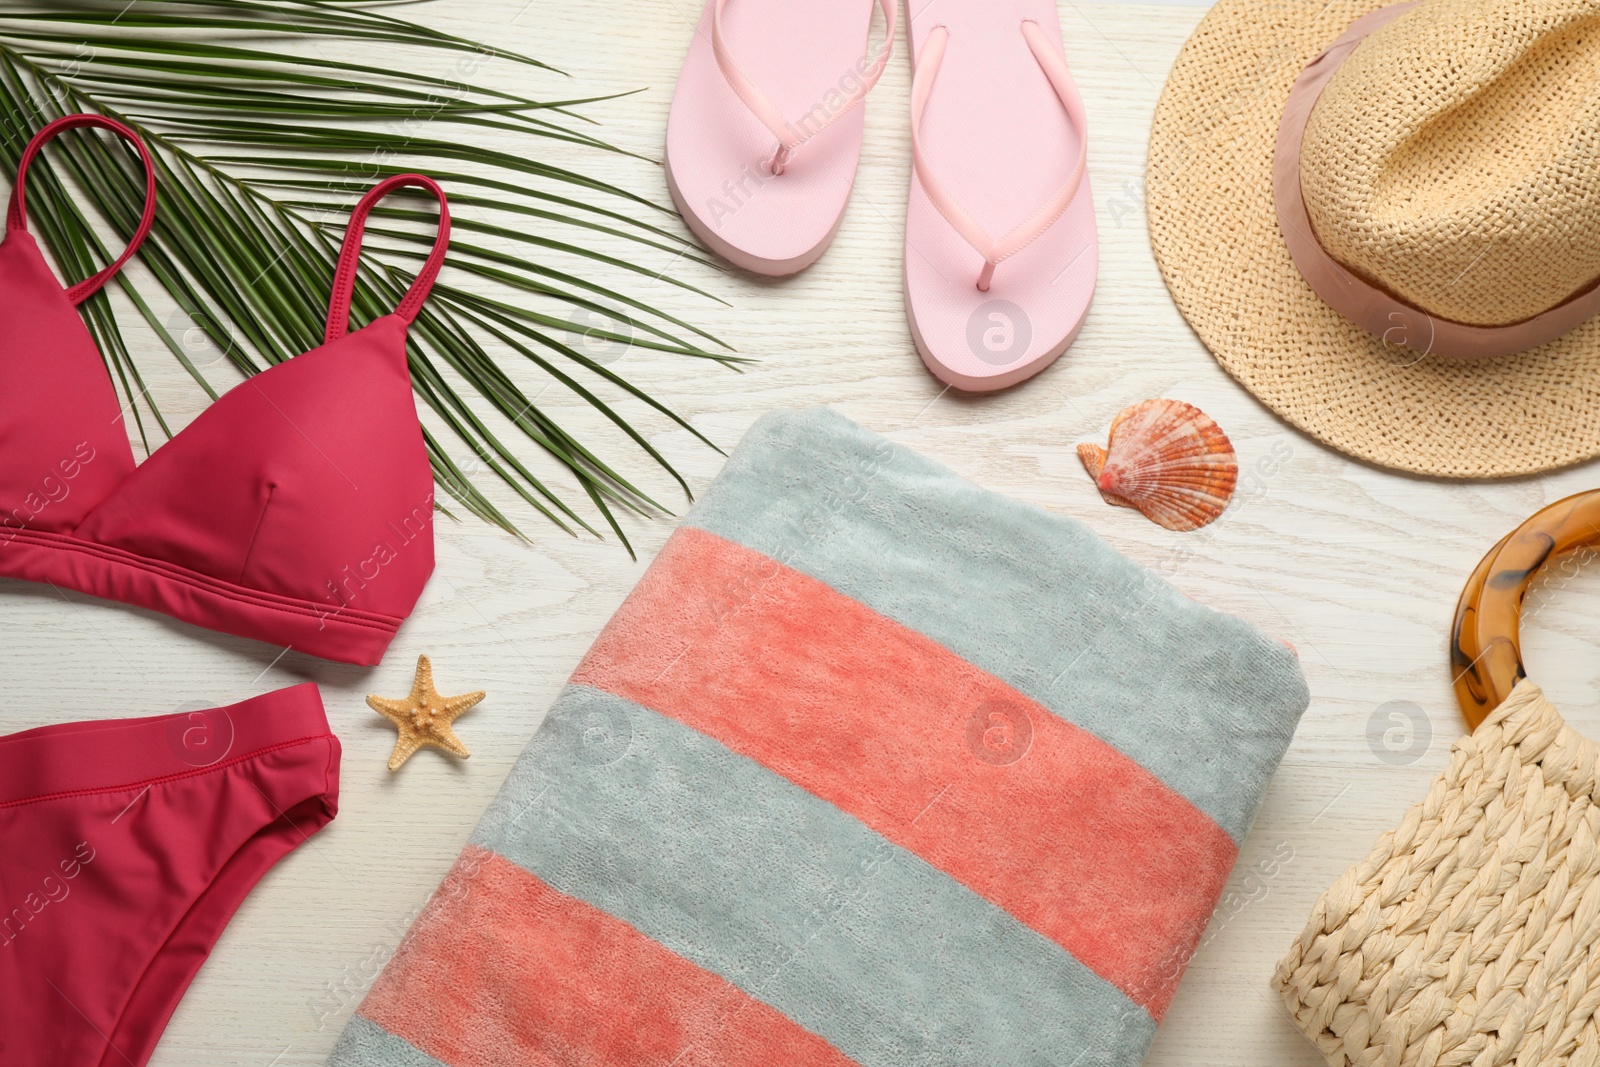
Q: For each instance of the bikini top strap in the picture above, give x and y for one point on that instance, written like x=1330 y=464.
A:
x=17 y=216
x=344 y=280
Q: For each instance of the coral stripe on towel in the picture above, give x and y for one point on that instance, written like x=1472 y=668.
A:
x=503 y=971
x=747 y=875
x=1036 y=815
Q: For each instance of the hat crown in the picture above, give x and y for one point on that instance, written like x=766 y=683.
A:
x=1454 y=157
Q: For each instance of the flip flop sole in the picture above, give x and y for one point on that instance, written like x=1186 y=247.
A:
x=807 y=59
x=1000 y=140
x=1000 y=326
x=739 y=257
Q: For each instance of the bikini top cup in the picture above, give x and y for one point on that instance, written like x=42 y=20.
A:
x=297 y=509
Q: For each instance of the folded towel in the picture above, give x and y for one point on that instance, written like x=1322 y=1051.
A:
x=874 y=767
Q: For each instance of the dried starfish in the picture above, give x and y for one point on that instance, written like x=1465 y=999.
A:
x=424 y=717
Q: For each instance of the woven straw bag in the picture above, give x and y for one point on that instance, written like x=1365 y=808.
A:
x=1471 y=933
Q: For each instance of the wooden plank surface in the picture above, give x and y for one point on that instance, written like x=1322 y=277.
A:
x=1357 y=567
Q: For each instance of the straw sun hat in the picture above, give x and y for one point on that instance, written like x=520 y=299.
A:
x=1384 y=221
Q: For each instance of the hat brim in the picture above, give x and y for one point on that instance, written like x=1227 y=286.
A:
x=1214 y=231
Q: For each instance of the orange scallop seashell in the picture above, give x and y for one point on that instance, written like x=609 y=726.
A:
x=1169 y=460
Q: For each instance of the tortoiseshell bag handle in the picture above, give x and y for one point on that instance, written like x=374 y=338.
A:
x=1485 y=649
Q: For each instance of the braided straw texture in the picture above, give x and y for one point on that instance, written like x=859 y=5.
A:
x=1471 y=934
x=1468 y=186
x=1214 y=232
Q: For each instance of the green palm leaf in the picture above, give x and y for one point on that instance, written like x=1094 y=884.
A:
x=262 y=145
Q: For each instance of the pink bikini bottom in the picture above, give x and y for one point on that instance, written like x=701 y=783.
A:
x=125 y=847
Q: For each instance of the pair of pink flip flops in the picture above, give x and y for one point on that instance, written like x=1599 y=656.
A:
x=765 y=133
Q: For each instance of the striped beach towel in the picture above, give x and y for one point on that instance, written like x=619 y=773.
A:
x=873 y=767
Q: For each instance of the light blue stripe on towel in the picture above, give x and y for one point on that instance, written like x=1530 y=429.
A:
x=799 y=905
x=366 y=1044
x=1201 y=699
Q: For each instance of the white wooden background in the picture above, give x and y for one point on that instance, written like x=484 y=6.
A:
x=1357 y=567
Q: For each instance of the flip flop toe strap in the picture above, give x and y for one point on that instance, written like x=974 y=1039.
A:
x=791 y=135
x=1030 y=229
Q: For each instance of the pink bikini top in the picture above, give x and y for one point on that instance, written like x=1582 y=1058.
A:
x=297 y=509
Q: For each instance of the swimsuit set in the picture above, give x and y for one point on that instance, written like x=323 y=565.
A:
x=297 y=510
